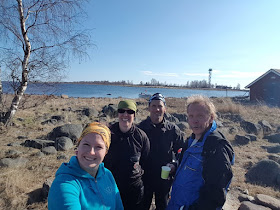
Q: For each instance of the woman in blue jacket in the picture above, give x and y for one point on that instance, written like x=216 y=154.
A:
x=84 y=182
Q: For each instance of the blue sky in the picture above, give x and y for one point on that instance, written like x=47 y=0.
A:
x=176 y=41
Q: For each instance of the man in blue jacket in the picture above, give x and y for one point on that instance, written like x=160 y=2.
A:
x=204 y=173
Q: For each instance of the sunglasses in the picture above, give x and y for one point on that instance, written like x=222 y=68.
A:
x=127 y=111
x=157 y=96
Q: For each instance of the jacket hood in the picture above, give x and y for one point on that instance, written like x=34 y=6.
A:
x=73 y=168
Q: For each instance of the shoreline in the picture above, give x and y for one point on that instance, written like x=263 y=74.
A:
x=144 y=86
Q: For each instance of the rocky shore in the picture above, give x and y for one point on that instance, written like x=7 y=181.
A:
x=42 y=137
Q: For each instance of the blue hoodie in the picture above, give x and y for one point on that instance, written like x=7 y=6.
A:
x=74 y=188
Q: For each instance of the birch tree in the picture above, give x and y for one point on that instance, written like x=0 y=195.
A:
x=38 y=39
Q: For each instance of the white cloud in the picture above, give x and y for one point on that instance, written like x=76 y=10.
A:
x=150 y=73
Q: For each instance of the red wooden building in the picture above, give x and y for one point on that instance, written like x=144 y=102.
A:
x=266 y=88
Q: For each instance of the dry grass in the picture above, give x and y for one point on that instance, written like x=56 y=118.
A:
x=18 y=185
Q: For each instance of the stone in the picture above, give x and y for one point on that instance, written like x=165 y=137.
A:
x=244 y=197
x=258 y=173
x=90 y=112
x=63 y=143
x=170 y=117
x=183 y=126
x=38 y=143
x=180 y=117
x=250 y=127
x=274 y=157
x=111 y=110
x=273 y=149
x=13 y=163
x=68 y=130
x=13 y=153
x=268 y=201
x=46 y=188
x=267 y=129
x=49 y=150
x=273 y=138
x=247 y=205
x=241 y=140
x=252 y=137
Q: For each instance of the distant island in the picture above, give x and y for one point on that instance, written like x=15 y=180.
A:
x=196 y=84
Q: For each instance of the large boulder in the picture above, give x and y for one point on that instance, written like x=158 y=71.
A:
x=68 y=130
x=247 y=205
x=268 y=201
x=183 y=126
x=90 y=112
x=267 y=129
x=180 y=117
x=63 y=143
x=250 y=127
x=13 y=162
x=273 y=138
x=241 y=140
x=111 y=110
x=38 y=143
x=258 y=174
x=170 y=118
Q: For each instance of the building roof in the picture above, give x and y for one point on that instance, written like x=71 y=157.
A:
x=275 y=71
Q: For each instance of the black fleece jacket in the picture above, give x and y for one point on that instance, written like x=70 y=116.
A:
x=127 y=155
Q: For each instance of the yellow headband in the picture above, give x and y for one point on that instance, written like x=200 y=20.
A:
x=100 y=129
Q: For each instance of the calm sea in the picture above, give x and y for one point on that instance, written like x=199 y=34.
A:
x=109 y=91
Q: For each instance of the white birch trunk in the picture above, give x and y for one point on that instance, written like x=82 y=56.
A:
x=23 y=85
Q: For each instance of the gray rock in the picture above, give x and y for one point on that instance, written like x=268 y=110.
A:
x=252 y=137
x=247 y=205
x=49 y=122
x=267 y=129
x=275 y=158
x=68 y=130
x=13 y=163
x=273 y=149
x=250 y=127
x=180 y=117
x=46 y=188
x=241 y=140
x=14 y=144
x=233 y=130
x=244 y=197
x=111 y=110
x=90 y=112
x=49 y=150
x=183 y=126
x=274 y=138
x=258 y=174
x=63 y=143
x=268 y=201
x=170 y=118
x=38 y=143
x=13 y=153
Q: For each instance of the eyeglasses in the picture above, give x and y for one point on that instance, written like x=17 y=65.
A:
x=127 y=111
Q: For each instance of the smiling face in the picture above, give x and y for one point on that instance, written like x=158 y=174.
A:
x=199 y=119
x=91 y=152
x=125 y=121
x=157 y=110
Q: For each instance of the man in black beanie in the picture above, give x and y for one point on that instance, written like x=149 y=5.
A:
x=165 y=140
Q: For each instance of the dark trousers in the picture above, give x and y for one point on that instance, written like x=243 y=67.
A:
x=161 y=191
x=132 y=196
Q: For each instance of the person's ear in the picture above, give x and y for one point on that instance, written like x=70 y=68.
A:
x=76 y=152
